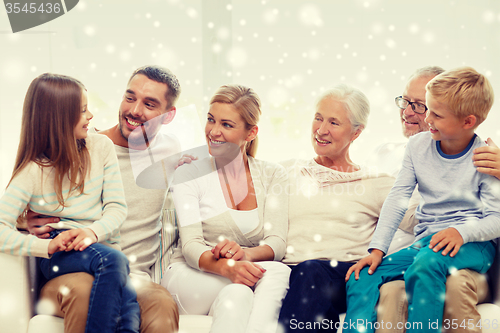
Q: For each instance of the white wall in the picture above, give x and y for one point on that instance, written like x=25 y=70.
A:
x=288 y=51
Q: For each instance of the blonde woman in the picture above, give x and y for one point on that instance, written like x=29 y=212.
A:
x=233 y=224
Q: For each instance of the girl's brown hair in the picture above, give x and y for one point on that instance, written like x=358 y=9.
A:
x=51 y=111
x=246 y=102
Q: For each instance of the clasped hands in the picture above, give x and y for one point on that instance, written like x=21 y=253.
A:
x=239 y=268
x=74 y=239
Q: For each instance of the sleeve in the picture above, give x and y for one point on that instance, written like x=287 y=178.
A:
x=114 y=207
x=396 y=204
x=276 y=212
x=409 y=221
x=15 y=199
x=488 y=226
x=187 y=207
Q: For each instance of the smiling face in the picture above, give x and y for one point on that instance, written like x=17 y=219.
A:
x=444 y=125
x=412 y=122
x=144 y=105
x=81 y=129
x=332 y=132
x=226 y=131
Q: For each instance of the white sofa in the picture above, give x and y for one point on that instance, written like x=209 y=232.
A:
x=17 y=304
x=18 y=289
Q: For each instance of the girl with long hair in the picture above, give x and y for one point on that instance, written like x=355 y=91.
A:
x=63 y=171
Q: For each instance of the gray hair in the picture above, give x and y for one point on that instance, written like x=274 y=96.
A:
x=427 y=71
x=354 y=101
x=161 y=75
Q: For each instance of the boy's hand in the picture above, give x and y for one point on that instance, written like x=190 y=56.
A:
x=37 y=225
x=450 y=238
x=373 y=260
x=487 y=159
x=78 y=239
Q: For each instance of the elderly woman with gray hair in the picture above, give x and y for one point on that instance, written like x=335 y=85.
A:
x=334 y=205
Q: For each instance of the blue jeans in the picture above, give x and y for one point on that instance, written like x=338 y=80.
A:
x=424 y=272
x=113 y=303
x=317 y=291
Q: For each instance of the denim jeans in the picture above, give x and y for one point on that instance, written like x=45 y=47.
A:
x=424 y=272
x=317 y=291
x=113 y=303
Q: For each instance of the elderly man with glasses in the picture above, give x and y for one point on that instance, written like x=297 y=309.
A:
x=464 y=288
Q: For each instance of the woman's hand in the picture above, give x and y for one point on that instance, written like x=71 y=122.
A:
x=243 y=272
x=37 y=224
x=373 y=260
x=487 y=159
x=229 y=250
x=78 y=239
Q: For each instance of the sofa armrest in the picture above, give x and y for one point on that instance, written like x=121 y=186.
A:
x=15 y=296
x=169 y=236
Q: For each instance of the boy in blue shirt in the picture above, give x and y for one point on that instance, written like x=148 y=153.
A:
x=459 y=214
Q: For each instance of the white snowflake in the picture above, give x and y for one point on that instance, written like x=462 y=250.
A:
x=310 y=15
x=237 y=57
x=192 y=13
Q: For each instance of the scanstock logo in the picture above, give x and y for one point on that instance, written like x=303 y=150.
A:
x=28 y=14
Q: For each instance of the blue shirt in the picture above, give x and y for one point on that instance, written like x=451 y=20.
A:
x=453 y=194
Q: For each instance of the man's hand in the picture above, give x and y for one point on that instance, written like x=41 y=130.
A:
x=373 y=260
x=229 y=250
x=78 y=239
x=450 y=238
x=37 y=225
x=186 y=159
x=487 y=159
x=243 y=272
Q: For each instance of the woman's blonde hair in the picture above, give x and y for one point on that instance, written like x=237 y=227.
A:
x=51 y=110
x=246 y=102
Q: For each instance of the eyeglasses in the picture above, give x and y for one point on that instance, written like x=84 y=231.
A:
x=415 y=106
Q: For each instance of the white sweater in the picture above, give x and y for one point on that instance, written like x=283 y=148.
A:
x=101 y=207
x=204 y=218
x=332 y=214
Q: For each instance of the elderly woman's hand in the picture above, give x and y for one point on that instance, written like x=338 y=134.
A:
x=229 y=250
x=373 y=260
x=487 y=159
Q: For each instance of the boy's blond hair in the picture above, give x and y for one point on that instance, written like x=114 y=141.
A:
x=465 y=91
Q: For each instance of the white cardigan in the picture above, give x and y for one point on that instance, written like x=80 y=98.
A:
x=204 y=218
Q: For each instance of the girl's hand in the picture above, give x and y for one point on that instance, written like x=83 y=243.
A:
x=487 y=159
x=450 y=238
x=57 y=244
x=243 y=272
x=373 y=260
x=78 y=239
x=229 y=250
